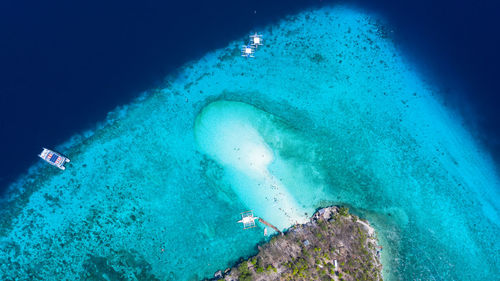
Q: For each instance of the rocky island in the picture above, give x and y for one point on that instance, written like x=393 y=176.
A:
x=333 y=245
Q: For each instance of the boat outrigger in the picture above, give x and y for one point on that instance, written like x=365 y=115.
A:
x=54 y=158
x=248 y=220
x=256 y=40
x=248 y=51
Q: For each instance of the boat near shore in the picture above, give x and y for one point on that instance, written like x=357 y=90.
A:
x=54 y=158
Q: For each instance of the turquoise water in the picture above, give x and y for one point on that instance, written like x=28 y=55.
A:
x=329 y=112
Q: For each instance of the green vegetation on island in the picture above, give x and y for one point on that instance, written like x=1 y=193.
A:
x=309 y=252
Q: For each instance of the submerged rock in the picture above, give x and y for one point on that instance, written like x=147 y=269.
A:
x=334 y=245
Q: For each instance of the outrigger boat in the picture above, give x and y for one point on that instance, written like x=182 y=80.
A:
x=248 y=220
x=54 y=158
x=256 y=40
x=248 y=51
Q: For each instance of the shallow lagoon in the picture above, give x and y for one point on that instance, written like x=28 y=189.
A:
x=147 y=195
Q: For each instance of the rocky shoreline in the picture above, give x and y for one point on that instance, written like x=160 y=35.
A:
x=333 y=245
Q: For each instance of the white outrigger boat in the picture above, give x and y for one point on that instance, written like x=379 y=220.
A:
x=248 y=220
x=248 y=51
x=256 y=40
x=54 y=158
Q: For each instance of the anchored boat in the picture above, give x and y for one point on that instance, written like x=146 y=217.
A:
x=248 y=220
x=248 y=51
x=256 y=40
x=54 y=158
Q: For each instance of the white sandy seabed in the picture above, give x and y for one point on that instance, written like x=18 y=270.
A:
x=327 y=113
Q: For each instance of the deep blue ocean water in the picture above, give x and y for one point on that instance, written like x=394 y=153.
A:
x=377 y=141
x=63 y=65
